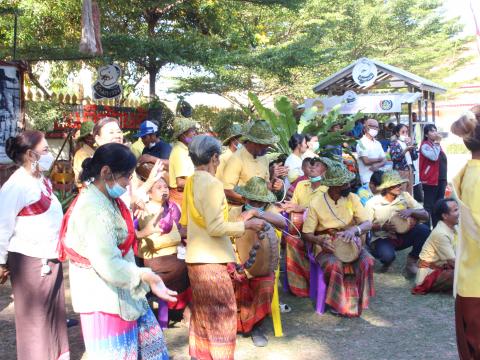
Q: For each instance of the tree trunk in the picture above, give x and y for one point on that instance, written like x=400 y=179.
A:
x=152 y=75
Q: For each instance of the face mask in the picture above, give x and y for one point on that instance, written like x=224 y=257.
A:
x=188 y=139
x=239 y=146
x=151 y=145
x=345 y=192
x=262 y=152
x=45 y=162
x=372 y=132
x=116 y=190
x=315 y=146
x=315 y=179
x=250 y=207
x=402 y=138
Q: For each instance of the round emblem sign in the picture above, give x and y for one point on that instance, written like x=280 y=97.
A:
x=350 y=96
x=386 y=105
x=364 y=72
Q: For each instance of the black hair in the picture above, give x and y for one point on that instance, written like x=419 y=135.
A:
x=117 y=157
x=441 y=208
x=16 y=147
x=398 y=127
x=295 y=140
x=203 y=148
x=308 y=137
x=376 y=177
x=427 y=129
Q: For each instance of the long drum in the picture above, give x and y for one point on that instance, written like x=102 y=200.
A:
x=266 y=261
x=297 y=218
x=347 y=252
x=402 y=225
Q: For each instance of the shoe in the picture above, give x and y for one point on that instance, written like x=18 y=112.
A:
x=411 y=267
x=285 y=308
x=259 y=338
x=71 y=322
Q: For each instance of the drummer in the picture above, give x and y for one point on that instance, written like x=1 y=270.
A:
x=254 y=294
x=232 y=144
x=338 y=213
x=386 y=239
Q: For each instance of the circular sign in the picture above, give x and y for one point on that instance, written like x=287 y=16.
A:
x=319 y=104
x=350 y=97
x=364 y=72
x=386 y=105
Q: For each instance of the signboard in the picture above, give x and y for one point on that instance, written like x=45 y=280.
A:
x=107 y=86
x=364 y=72
x=11 y=105
x=351 y=103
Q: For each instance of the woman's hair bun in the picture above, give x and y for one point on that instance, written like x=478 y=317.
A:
x=11 y=148
x=465 y=126
x=86 y=172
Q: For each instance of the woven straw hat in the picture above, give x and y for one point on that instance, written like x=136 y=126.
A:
x=86 y=128
x=391 y=178
x=260 y=132
x=337 y=174
x=233 y=131
x=256 y=189
x=182 y=125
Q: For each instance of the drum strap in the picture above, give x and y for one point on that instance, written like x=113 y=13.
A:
x=331 y=210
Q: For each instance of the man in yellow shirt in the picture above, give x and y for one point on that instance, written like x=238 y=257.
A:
x=250 y=161
x=232 y=142
x=437 y=259
x=86 y=151
x=180 y=164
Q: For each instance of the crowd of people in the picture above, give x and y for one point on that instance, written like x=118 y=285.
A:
x=198 y=227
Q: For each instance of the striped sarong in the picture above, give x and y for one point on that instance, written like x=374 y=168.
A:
x=298 y=266
x=213 y=323
x=109 y=337
x=349 y=286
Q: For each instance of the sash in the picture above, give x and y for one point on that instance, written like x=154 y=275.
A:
x=42 y=205
x=64 y=251
x=188 y=207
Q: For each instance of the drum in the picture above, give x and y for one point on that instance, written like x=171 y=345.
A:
x=347 y=252
x=267 y=255
x=297 y=218
x=402 y=225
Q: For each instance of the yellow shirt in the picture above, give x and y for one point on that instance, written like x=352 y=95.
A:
x=242 y=166
x=381 y=210
x=467 y=267
x=137 y=148
x=226 y=155
x=303 y=193
x=83 y=153
x=210 y=245
x=437 y=249
x=180 y=164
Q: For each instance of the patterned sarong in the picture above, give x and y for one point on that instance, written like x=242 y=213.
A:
x=254 y=301
x=298 y=266
x=349 y=286
x=439 y=280
x=109 y=337
x=213 y=323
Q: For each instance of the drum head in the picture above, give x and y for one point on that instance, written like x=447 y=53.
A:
x=347 y=252
x=402 y=225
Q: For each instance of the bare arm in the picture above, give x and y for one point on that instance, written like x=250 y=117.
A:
x=234 y=198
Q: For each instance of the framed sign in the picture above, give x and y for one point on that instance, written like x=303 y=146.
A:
x=107 y=86
x=364 y=72
x=11 y=104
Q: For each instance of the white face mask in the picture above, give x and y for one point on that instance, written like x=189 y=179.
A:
x=315 y=146
x=373 y=132
x=151 y=145
x=402 y=138
x=45 y=162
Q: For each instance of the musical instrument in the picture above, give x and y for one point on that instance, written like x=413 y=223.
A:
x=62 y=176
x=347 y=252
x=297 y=218
x=258 y=251
x=402 y=225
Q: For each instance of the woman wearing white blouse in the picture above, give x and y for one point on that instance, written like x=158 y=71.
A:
x=30 y=219
x=298 y=144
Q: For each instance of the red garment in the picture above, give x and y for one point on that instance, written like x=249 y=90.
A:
x=429 y=170
x=129 y=243
x=40 y=206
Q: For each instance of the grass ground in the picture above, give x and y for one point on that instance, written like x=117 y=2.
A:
x=398 y=325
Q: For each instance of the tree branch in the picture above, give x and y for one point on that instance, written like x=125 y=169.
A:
x=35 y=81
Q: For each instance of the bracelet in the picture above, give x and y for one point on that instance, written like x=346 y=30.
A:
x=359 y=231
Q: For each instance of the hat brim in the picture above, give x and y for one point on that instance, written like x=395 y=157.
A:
x=177 y=134
x=274 y=139
x=270 y=198
x=339 y=181
x=393 y=184
x=141 y=134
x=227 y=140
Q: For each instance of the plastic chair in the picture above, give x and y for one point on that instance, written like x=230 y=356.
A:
x=318 y=288
x=277 y=321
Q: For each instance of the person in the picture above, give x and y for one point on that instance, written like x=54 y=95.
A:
x=367 y=191
x=107 y=287
x=336 y=150
x=254 y=293
x=107 y=130
x=312 y=146
x=251 y=161
x=159 y=242
x=386 y=240
x=297 y=264
x=232 y=142
x=137 y=148
x=154 y=146
x=213 y=321
x=180 y=164
x=403 y=153
x=88 y=148
x=432 y=168
x=338 y=213
x=371 y=156
x=467 y=268
x=306 y=175
x=359 y=128
x=298 y=145
x=436 y=261
x=30 y=219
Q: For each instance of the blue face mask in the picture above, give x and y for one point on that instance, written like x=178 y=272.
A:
x=250 y=207
x=116 y=190
x=239 y=146
x=315 y=179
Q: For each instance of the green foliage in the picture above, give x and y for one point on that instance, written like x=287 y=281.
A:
x=218 y=120
x=206 y=116
x=162 y=115
x=41 y=115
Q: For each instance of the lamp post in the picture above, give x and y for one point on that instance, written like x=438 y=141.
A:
x=16 y=13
